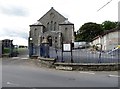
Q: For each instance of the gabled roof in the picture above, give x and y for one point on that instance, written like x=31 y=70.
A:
x=38 y=23
x=107 y=32
x=66 y=22
x=110 y=31
x=51 y=10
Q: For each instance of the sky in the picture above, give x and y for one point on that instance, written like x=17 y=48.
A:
x=17 y=15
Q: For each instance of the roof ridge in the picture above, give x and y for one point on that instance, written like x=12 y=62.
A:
x=49 y=11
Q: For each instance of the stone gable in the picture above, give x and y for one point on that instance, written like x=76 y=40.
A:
x=54 y=27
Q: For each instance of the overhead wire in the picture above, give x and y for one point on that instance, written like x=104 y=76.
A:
x=104 y=5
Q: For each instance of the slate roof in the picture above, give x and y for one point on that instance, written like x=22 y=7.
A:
x=49 y=11
x=38 y=23
x=107 y=32
x=66 y=22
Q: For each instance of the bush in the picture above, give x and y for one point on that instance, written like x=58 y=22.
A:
x=6 y=50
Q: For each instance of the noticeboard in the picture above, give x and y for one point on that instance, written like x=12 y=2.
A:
x=67 y=47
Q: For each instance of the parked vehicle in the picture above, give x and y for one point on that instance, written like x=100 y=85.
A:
x=80 y=45
x=76 y=45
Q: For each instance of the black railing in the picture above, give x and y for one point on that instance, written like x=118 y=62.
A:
x=84 y=56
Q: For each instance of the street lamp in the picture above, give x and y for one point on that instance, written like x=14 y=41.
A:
x=31 y=39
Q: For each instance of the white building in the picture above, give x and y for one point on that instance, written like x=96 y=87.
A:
x=109 y=40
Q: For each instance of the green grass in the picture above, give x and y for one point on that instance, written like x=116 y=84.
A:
x=6 y=50
x=21 y=49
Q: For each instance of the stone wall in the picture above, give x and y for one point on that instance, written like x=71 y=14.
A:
x=88 y=66
x=50 y=63
x=67 y=33
x=47 y=62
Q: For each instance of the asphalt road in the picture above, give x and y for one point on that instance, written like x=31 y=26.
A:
x=22 y=72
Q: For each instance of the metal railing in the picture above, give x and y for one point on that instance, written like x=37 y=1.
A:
x=84 y=56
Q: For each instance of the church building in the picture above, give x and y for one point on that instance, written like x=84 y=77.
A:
x=53 y=27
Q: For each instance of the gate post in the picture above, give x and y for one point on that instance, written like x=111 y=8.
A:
x=30 y=47
x=44 y=49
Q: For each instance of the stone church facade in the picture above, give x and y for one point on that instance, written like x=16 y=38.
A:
x=52 y=26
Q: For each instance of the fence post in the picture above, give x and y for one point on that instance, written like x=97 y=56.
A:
x=100 y=54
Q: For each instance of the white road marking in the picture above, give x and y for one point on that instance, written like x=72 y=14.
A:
x=87 y=72
x=15 y=57
x=9 y=83
x=24 y=58
x=113 y=75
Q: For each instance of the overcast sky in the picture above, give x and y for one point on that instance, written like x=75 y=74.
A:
x=17 y=15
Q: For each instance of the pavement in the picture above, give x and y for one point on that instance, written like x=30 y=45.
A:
x=23 y=72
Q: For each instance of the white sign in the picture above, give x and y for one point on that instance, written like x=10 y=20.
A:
x=66 y=47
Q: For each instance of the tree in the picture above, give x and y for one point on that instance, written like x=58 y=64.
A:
x=117 y=24
x=88 y=31
x=108 y=25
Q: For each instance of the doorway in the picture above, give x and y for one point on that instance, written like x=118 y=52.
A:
x=50 y=40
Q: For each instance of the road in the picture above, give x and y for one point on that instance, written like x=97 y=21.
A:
x=22 y=72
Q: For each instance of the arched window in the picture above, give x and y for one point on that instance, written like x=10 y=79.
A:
x=48 y=26
x=30 y=33
x=55 y=26
x=66 y=30
x=51 y=26
x=49 y=38
x=35 y=32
